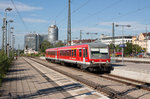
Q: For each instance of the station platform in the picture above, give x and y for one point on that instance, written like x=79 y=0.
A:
x=133 y=70
x=28 y=79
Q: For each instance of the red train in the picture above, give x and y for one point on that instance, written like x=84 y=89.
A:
x=92 y=56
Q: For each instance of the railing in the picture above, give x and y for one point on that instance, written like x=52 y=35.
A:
x=134 y=59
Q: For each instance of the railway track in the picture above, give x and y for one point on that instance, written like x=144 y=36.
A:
x=127 y=81
x=110 y=92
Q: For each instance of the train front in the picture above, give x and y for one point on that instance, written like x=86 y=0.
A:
x=99 y=57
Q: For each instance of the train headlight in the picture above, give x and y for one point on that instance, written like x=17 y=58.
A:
x=92 y=61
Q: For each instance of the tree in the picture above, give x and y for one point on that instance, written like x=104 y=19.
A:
x=128 y=49
x=59 y=44
x=111 y=46
x=118 y=49
x=137 y=49
x=45 y=45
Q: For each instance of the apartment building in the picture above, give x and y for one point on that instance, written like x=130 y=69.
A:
x=143 y=40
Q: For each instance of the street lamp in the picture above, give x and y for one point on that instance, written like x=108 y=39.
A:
x=8 y=9
x=9 y=30
x=11 y=33
x=122 y=39
x=5 y=29
x=13 y=42
x=8 y=47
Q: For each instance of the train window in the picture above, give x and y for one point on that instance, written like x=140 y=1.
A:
x=80 y=52
x=69 y=52
x=55 y=53
x=83 y=52
x=72 y=52
x=60 y=53
x=99 y=53
x=75 y=53
x=65 y=52
x=86 y=53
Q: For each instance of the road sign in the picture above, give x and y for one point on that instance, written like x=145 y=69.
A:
x=122 y=45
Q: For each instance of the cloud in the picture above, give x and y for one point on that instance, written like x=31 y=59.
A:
x=34 y=15
x=20 y=6
x=31 y=20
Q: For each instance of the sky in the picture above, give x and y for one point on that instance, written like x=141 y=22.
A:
x=93 y=16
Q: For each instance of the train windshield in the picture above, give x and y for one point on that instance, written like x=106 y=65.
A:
x=97 y=53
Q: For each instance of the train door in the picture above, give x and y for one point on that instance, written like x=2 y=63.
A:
x=80 y=54
x=83 y=54
x=56 y=54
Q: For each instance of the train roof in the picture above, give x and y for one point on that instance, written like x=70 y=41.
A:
x=92 y=44
x=96 y=44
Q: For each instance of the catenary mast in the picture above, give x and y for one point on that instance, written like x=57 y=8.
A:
x=69 y=25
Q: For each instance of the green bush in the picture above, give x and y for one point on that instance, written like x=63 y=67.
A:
x=4 y=64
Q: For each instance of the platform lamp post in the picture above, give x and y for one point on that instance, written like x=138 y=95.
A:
x=3 y=35
x=9 y=39
x=122 y=45
x=11 y=33
x=5 y=29
x=13 y=42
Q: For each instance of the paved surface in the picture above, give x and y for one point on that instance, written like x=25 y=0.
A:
x=37 y=81
x=121 y=88
x=137 y=71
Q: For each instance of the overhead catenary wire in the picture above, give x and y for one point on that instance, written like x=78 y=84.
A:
x=60 y=13
x=105 y=8
x=19 y=15
x=77 y=9
x=131 y=12
x=84 y=4
x=127 y=14
x=100 y=11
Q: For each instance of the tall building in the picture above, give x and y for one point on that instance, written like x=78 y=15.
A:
x=31 y=41
x=52 y=33
x=43 y=37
